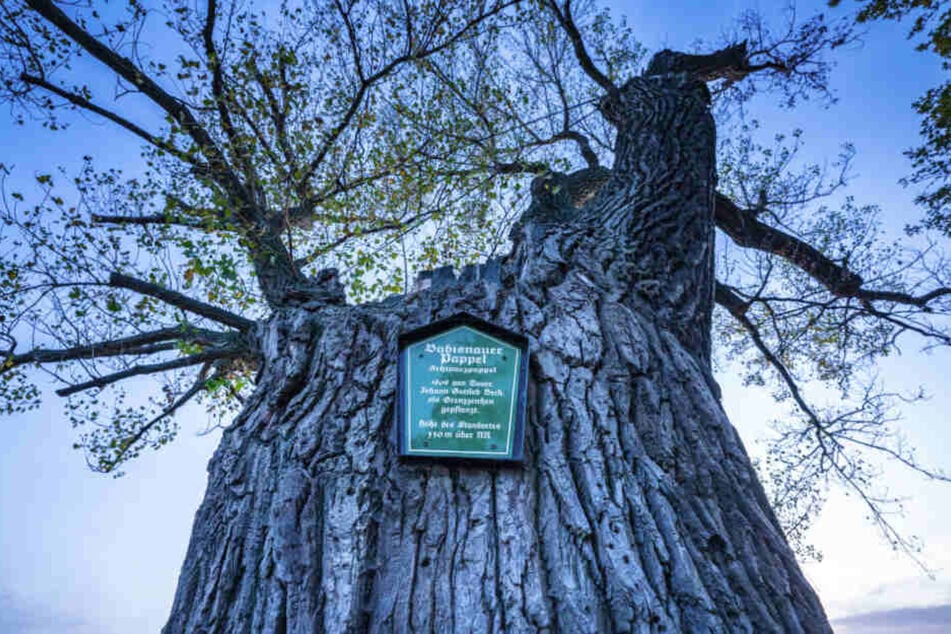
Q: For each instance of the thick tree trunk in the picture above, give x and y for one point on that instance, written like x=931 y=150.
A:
x=636 y=509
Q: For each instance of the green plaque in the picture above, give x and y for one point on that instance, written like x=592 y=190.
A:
x=462 y=387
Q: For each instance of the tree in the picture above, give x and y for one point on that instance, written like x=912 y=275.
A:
x=345 y=133
x=931 y=24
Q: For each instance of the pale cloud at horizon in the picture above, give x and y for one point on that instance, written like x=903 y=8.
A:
x=21 y=615
x=924 y=620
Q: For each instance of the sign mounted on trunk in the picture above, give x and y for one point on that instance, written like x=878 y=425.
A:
x=462 y=385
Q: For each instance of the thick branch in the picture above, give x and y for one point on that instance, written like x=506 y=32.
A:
x=733 y=303
x=903 y=298
x=42 y=355
x=746 y=230
x=520 y=167
x=190 y=216
x=731 y=63
x=118 y=280
x=153 y=219
x=145 y=343
x=584 y=146
x=151 y=368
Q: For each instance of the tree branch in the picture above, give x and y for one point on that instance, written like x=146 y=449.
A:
x=520 y=167
x=726 y=297
x=368 y=82
x=746 y=230
x=306 y=209
x=153 y=219
x=279 y=118
x=584 y=146
x=349 y=235
x=214 y=313
x=200 y=383
x=584 y=59
x=217 y=76
x=152 y=368
x=731 y=63
x=831 y=434
x=193 y=217
x=145 y=343
x=128 y=71
x=85 y=104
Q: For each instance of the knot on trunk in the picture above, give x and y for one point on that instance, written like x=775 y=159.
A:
x=323 y=289
x=556 y=196
x=329 y=289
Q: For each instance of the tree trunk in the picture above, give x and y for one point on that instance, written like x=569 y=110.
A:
x=636 y=510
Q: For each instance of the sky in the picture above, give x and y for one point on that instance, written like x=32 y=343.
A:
x=84 y=553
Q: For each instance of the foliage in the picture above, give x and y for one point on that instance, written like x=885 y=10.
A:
x=931 y=28
x=382 y=138
x=374 y=137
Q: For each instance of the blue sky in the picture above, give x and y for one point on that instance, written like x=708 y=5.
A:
x=83 y=553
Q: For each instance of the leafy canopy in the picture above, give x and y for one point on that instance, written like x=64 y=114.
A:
x=931 y=161
x=307 y=152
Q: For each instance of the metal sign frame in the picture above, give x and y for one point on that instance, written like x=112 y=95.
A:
x=481 y=326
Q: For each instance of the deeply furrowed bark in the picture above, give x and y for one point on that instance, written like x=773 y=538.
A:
x=636 y=510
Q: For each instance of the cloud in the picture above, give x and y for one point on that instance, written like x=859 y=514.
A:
x=23 y=616
x=926 y=620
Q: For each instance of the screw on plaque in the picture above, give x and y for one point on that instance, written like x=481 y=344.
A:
x=425 y=443
x=493 y=446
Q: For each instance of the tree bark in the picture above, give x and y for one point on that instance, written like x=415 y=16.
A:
x=636 y=510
